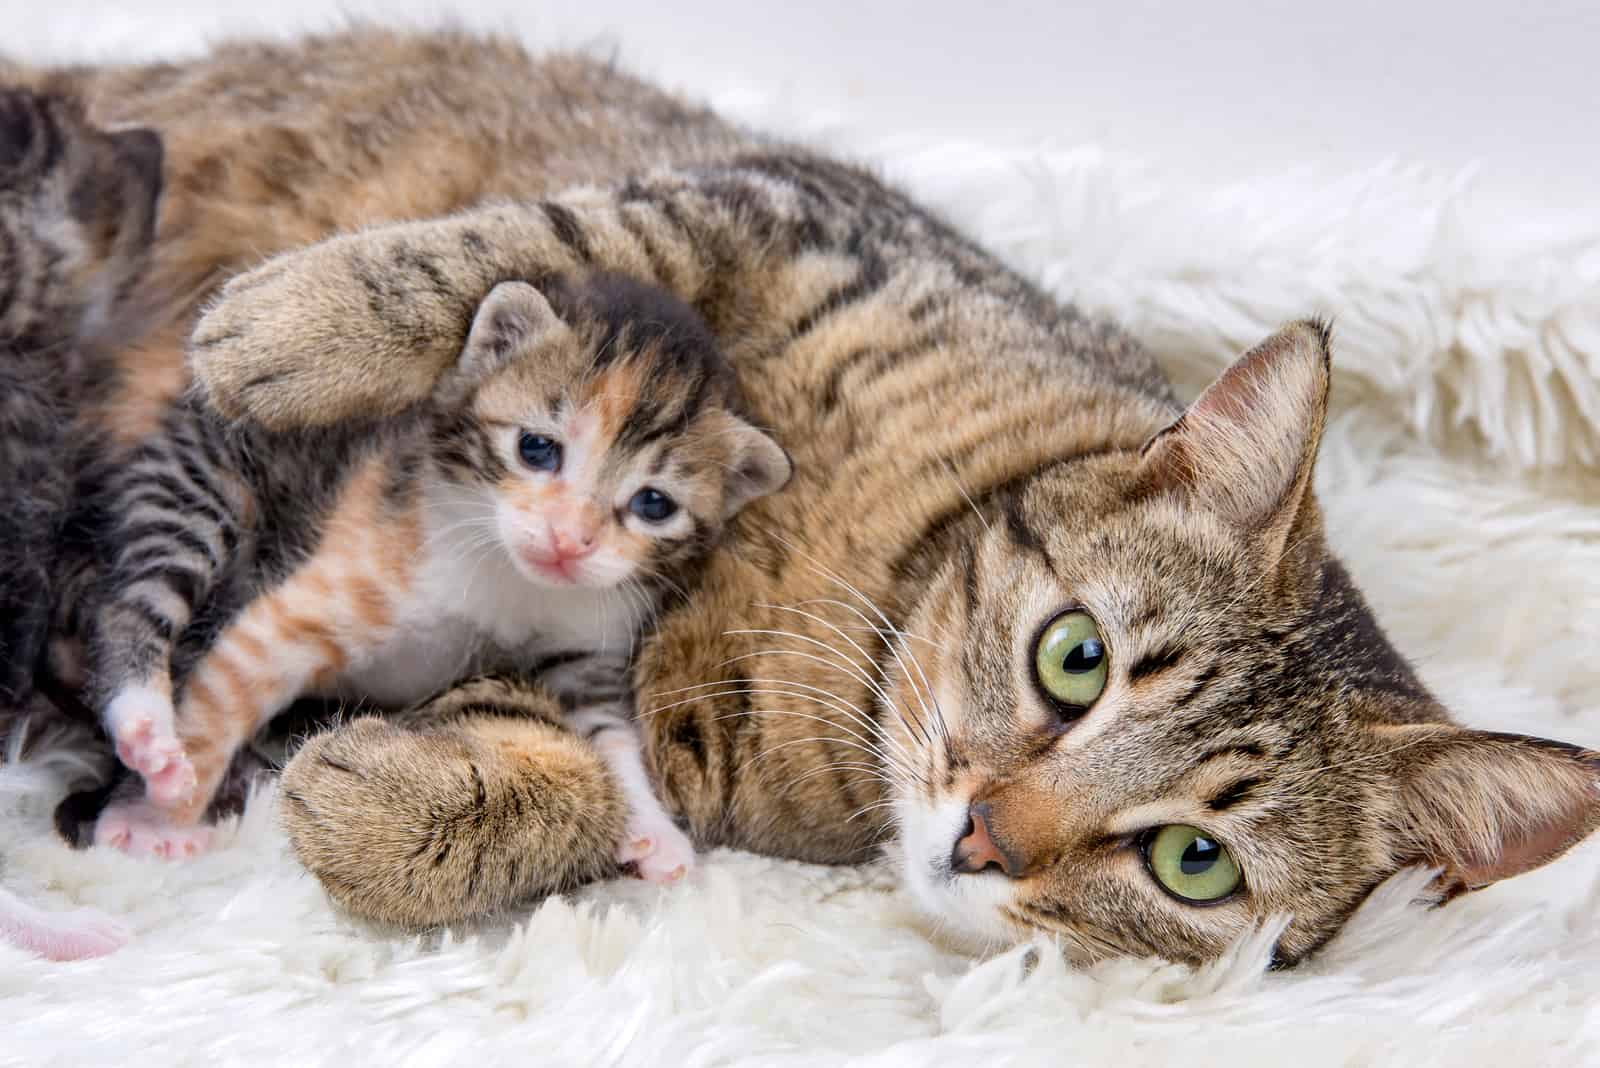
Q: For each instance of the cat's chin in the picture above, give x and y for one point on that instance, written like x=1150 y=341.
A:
x=966 y=908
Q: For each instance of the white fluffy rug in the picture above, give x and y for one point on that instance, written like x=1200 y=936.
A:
x=1460 y=480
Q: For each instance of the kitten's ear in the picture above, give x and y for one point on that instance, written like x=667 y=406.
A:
x=1485 y=806
x=759 y=466
x=512 y=318
x=1246 y=447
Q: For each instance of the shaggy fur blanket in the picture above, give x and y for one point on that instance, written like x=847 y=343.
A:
x=1459 y=479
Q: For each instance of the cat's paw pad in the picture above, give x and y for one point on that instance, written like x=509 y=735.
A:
x=140 y=829
x=76 y=935
x=656 y=850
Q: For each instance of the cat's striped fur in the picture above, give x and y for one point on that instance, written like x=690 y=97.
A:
x=856 y=666
x=77 y=219
x=384 y=561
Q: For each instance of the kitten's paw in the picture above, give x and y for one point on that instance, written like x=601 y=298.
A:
x=76 y=935
x=169 y=777
x=140 y=829
x=140 y=721
x=174 y=784
x=656 y=849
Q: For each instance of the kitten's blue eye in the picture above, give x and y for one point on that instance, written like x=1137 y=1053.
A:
x=652 y=506
x=539 y=452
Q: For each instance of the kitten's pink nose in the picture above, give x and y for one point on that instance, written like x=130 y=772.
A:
x=572 y=542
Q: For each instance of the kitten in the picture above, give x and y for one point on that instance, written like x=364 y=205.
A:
x=77 y=215
x=570 y=470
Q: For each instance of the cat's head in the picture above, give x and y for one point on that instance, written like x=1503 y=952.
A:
x=1167 y=714
x=597 y=422
x=77 y=218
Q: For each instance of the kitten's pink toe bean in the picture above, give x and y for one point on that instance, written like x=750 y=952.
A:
x=143 y=830
x=173 y=784
x=663 y=855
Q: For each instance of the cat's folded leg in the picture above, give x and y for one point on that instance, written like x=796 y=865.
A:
x=485 y=801
x=367 y=324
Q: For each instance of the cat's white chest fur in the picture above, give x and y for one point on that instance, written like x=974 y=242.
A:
x=468 y=610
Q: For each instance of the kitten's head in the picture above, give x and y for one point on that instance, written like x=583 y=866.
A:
x=1168 y=714
x=597 y=421
x=77 y=218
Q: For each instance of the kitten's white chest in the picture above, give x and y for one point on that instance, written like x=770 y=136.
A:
x=472 y=611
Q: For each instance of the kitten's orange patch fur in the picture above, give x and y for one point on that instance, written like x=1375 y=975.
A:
x=348 y=588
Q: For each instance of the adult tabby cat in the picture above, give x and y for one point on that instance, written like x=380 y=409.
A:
x=1080 y=655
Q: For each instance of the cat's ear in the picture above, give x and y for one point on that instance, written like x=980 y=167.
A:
x=1246 y=447
x=759 y=465
x=512 y=318
x=1485 y=806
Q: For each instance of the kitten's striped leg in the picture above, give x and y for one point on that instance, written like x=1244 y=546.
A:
x=285 y=642
x=175 y=525
x=598 y=697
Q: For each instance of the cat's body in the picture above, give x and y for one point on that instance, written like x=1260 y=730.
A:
x=531 y=518
x=997 y=502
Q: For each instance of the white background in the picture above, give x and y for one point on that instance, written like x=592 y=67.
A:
x=1222 y=88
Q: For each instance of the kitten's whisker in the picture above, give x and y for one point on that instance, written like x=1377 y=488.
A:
x=662 y=577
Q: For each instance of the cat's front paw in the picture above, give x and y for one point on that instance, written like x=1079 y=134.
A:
x=141 y=829
x=655 y=849
x=327 y=333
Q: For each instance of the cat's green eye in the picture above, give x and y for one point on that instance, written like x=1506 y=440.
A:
x=1071 y=661
x=1190 y=864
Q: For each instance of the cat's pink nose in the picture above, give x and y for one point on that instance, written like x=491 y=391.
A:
x=976 y=850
